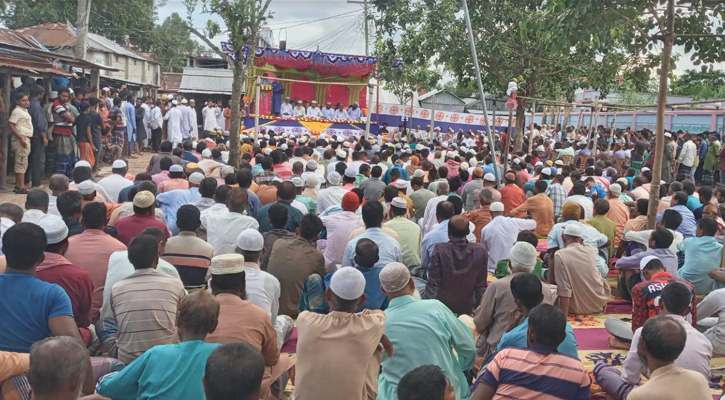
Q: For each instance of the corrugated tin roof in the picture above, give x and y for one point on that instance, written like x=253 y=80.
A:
x=56 y=35
x=20 y=60
x=207 y=80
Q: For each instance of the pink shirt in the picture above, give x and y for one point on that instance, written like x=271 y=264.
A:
x=91 y=250
x=172 y=184
x=160 y=177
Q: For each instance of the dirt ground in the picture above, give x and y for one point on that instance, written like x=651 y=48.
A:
x=136 y=165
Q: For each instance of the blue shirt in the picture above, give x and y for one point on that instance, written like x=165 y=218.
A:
x=388 y=248
x=189 y=156
x=171 y=371
x=517 y=338
x=601 y=192
x=702 y=254
x=489 y=169
x=425 y=332
x=688 y=226
x=26 y=305
x=254 y=204
x=171 y=201
x=376 y=299
x=123 y=194
x=693 y=203
x=403 y=174
x=130 y=121
x=439 y=234
x=293 y=217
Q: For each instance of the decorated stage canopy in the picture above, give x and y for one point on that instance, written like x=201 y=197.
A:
x=306 y=126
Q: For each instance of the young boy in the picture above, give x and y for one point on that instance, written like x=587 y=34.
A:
x=22 y=127
x=83 y=134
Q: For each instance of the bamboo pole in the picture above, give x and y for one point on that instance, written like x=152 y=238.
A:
x=258 y=96
x=531 y=128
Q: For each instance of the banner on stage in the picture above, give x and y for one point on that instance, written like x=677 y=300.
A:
x=440 y=116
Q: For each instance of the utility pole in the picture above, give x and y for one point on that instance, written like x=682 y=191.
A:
x=83 y=13
x=491 y=142
x=367 y=34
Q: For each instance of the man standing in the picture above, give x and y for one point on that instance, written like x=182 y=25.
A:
x=39 y=141
x=440 y=338
x=321 y=372
x=130 y=115
x=686 y=160
x=456 y=275
x=193 y=120
x=175 y=117
x=185 y=119
x=580 y=286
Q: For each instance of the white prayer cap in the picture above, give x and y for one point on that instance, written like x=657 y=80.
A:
x=105 y=89
x=540 y=148
x=546 y=171
x=144 y=199
x=311 y=180
x=348 y=283
x=496 y=206
x=615 y=188
x=517 y=161
x=399 y=202
x=53 y=95
x=489 y=177
x=401 y=184
x=394 y=277
x=472 y=161
x=341 y=153
x=83 y=163
x=176 y=168
x=645 y=169
x=206 y=153
x=227 y=264
x=444 y=144
x=170 y=97
x=226 y=170
x=174 y=102
x=86 y=187
x=559 y=163
x=419 y=173
x=313 y=102
x=119 y=164
x=538 y=163
x=312 y=165
x=196 y=178
x=464 y=166
x=267 y=151
x=184 y=101
x=523 y=254
x=668 y=135
x=573 y=230
x=250 y=240
x=298 y=182
x=340 y=139
x=55 y=229
x=266 y=136
x=334 y=178
x=350 y=173
x=643 y=262
x=283 y=146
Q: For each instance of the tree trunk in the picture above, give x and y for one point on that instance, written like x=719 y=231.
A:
x=520 y=124
x=654 y=193
x=83 y=13
x=240 y=74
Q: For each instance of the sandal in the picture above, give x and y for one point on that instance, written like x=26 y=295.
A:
x=20 y=191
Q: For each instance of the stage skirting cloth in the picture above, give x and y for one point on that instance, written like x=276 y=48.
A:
x=316 y=128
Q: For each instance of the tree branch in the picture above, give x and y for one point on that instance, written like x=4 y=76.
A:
x=660 y=22
x=700 y=35
x=208 y=42
x=634 y=24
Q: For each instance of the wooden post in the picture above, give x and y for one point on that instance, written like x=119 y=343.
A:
x=579 y=122
x=367 y=120
x=531 y=127
x=5 y=129
x=96 y=80
x=258 y=96
x=508 y=143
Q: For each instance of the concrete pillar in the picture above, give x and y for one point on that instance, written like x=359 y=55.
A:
x=96 y=80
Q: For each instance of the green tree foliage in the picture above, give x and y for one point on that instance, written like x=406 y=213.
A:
x=406 y=80
x=170 y=41
x=707 y=84
x=131 y=20
x=242 y=20
x=511 y=41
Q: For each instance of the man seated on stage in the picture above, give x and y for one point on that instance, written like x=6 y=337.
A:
x=340 y=113
x=328 y=112
x=299 y=110
x=314 y=111
x=286 y=108
x=354 y=112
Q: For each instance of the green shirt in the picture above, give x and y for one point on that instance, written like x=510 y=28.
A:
x=311 y=204
x=425 y=332
x=607 y=227
x=410 y=238
x=502 y=269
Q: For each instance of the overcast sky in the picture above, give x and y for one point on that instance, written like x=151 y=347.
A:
x=301 y=23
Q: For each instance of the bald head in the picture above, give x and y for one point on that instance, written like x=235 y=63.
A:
x=663 y=339
x=458 y=227
x=366 y=253
x=58 y=184
x=57 y=367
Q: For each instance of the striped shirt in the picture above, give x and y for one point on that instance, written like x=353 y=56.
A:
x=536 y=373
x=144 y=305
x=191 y=256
